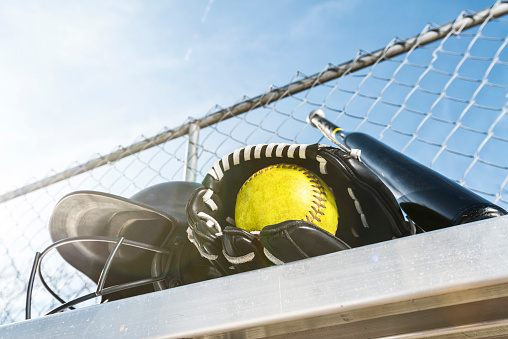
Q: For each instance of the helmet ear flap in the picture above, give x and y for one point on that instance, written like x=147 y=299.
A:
x=183 y=265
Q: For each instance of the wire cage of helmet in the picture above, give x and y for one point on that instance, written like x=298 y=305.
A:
x=160 y=266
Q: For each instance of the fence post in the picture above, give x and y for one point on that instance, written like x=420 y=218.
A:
x=191 y=160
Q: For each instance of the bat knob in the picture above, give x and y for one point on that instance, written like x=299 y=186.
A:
x=319 y=113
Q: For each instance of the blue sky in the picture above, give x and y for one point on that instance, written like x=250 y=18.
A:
x=79 y=78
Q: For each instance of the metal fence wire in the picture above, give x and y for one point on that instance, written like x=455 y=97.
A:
x=439 y=97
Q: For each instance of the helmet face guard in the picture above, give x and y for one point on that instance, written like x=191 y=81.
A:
x=126 y=246
x=101 y=291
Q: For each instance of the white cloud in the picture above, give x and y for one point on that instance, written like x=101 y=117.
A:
x=77 y=77
x=82 y=77
x=188 y=54
x=207 y=10
x=319 y=15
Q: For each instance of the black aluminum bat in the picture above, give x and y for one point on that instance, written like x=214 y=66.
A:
x=429 y=199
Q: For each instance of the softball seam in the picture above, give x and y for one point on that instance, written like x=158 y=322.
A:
x=317 y=205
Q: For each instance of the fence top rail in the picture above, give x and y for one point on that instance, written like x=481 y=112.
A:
x=362 y=60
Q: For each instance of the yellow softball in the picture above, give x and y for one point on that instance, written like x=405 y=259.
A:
x=285 y=192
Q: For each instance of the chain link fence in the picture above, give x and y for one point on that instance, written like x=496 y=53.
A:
x=439 y=97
